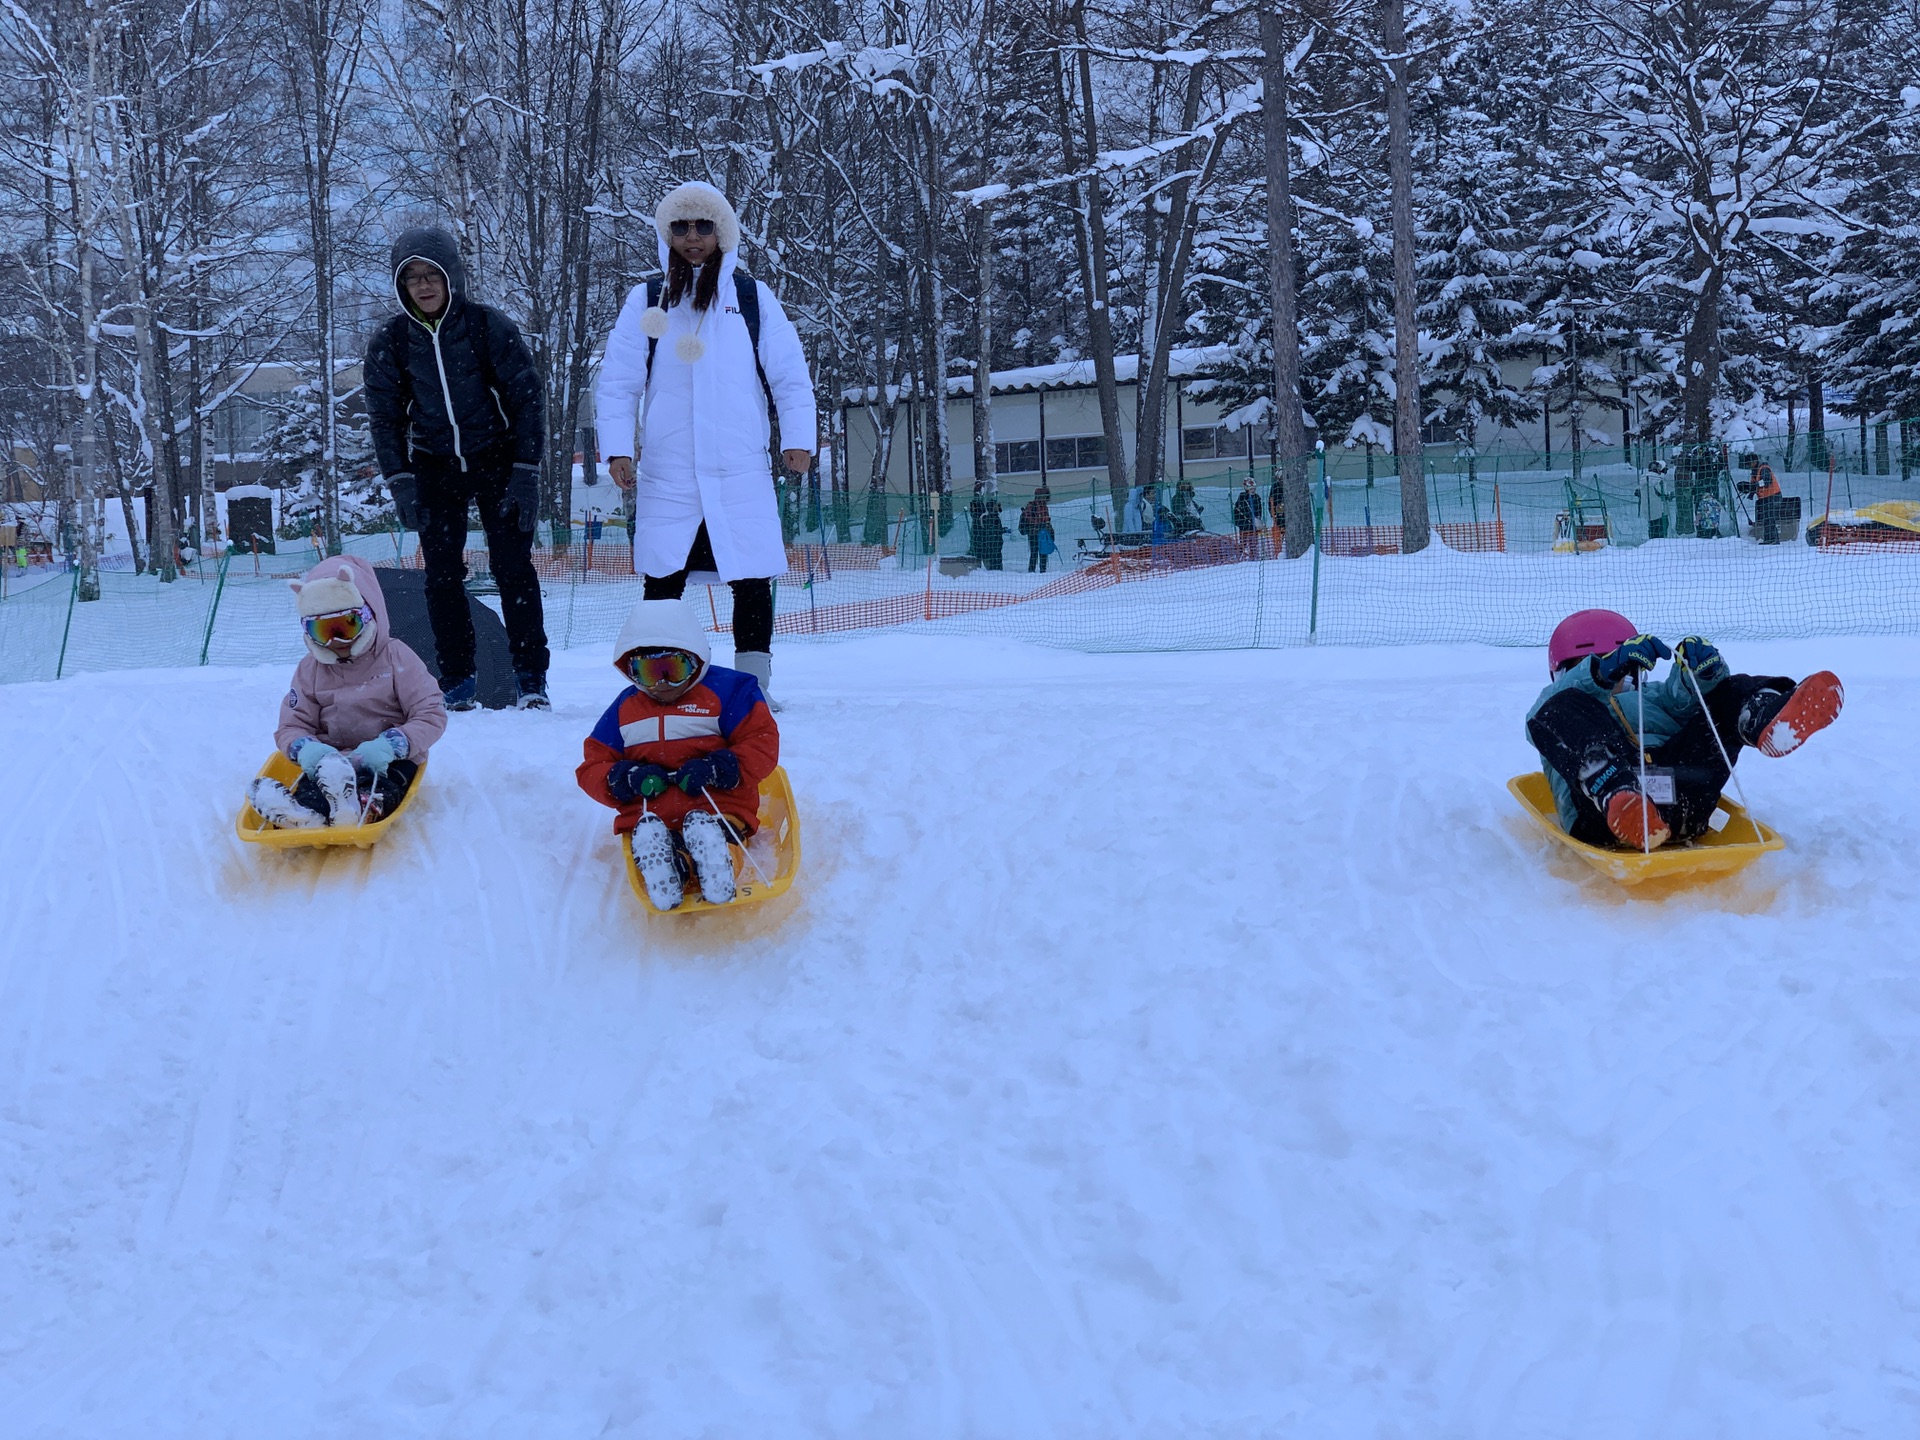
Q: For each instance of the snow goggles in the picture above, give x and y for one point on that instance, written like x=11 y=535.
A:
x=658 y=669
x=340 y=627
x=700 y=227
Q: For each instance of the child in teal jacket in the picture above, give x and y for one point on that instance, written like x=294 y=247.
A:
x=1634 y=761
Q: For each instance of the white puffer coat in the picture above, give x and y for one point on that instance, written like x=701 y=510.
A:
x=703 y=428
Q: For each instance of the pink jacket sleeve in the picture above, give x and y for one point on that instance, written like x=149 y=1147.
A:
x=419 y=694
x=299 y=711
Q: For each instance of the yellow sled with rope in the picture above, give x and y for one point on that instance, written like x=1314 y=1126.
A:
x=256 y=829
x=763 y=869
x=1733 y=841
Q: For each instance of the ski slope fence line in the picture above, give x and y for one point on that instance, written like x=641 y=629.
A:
x=1503 y=568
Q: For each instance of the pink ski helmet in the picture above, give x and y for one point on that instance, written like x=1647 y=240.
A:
x=1587 y=632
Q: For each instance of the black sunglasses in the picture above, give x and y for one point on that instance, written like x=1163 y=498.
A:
x=700 y=227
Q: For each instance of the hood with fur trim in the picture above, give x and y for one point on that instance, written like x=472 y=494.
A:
x=697 y=200
x=658 y=625
x=342 y=582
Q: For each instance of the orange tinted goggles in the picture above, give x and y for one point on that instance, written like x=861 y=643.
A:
x=342 y=627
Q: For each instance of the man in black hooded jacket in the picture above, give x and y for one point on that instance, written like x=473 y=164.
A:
x=458 y=416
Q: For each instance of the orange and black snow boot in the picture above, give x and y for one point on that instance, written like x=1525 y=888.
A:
x=1813 y=705
x=1636 y=821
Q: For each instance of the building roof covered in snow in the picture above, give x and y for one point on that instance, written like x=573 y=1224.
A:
x=1183 y=363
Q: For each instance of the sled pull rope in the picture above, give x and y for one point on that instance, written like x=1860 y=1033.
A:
x=373 y=794
x=1640 y=747
x=1719 y=744
x=727 y=825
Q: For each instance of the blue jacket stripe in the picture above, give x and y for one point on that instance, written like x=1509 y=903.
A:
x=607 y=729
x=738 y=694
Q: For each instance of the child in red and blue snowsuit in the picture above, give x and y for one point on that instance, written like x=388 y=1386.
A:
x=680 y=754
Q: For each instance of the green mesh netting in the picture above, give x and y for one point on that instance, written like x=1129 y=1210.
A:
x=1517 y=543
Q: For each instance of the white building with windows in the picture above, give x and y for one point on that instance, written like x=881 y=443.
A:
x=1046 y=427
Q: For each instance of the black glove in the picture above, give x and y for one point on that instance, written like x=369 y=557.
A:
x=522 y=495
x=631 y=780
x=1747 y=488
x=1636 y=657
x=1704 y=659
x=718 y=771
x=406 y=500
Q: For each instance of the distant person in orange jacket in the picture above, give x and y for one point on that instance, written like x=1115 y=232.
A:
x=1762 y=486
x=680 y=754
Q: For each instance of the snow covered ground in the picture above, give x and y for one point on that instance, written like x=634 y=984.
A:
x=1176 y=1044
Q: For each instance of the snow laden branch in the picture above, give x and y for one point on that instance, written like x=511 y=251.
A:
x=1239 y=104
x=873 y=68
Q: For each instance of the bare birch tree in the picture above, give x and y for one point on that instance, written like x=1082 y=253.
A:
x=321 y=45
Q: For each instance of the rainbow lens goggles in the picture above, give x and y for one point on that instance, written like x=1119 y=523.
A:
x=660 y=669
x=341 y=627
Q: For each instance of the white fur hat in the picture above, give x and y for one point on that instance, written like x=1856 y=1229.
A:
x=697 y=200
x=328 y=595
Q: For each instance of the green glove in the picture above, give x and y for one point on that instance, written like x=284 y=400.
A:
x=308 y=751
x=375 y=755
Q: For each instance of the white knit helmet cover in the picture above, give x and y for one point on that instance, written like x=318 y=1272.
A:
x=328 y=595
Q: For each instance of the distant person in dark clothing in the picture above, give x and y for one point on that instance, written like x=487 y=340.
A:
x=1247 y=509
x=1247 y=515
x=1187 y=510
x=989 y=532
x=458 y=415
x=1036 y=523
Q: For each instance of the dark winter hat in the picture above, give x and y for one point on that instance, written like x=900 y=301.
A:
x=440 y=250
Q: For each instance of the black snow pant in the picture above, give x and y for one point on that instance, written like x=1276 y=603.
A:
x=752 y=599
x=1769 y=511
x=1036 y=560
x=393 y=785
x=446 y=493
x=1578 y=735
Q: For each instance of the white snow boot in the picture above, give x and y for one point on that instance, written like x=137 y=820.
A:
x=338 y=781
x=659 y=868
x=706 y=841
x=274 y=803
x=759 y=664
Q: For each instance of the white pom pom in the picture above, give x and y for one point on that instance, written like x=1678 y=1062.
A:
x=689 y=348
x=653 y=322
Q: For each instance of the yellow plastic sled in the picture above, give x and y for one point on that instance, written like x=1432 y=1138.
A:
x=779 y=819
x=254 y=829
x=1734 y=846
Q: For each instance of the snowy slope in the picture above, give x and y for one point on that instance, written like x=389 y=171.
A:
x=1157 y=1045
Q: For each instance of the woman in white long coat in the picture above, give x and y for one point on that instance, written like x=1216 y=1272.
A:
x=681 y=378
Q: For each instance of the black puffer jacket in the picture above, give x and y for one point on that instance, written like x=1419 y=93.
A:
x=463 y=385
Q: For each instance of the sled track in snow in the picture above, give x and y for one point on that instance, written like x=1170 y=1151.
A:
x=1167 y=1049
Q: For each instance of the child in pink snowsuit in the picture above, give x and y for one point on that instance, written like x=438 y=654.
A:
x=362 y=712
